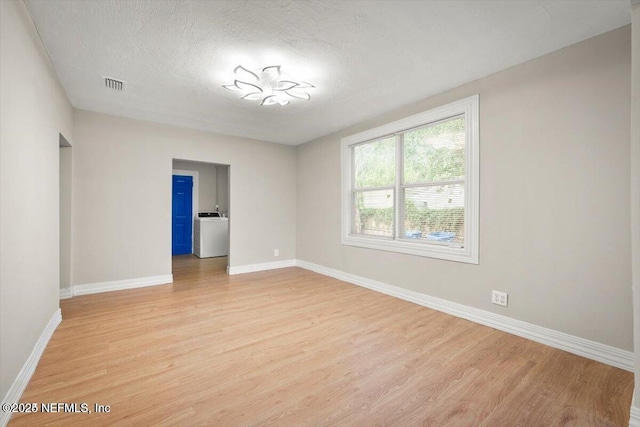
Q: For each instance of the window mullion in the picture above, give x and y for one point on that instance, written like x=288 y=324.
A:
x=387 y=187
x=434 y=183
x=353 y=186
x=398 y=223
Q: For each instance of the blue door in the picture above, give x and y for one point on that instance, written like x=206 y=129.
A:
x=182 y=216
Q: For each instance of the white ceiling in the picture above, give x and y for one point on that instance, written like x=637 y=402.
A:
x=365 y=57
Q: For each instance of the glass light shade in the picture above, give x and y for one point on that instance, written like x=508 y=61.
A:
x=268 y=85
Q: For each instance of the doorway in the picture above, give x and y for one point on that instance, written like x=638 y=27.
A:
x=210 y=197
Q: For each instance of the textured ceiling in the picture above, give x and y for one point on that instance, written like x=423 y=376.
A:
x=365 y=57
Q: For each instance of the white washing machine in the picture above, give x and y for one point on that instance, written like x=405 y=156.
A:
x=210 y=235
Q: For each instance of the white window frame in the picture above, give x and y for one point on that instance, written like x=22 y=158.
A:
x=469 y=107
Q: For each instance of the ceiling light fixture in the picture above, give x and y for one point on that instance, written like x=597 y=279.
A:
x=268 y=85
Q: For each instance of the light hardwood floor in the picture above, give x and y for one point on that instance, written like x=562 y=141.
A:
x=290 y=347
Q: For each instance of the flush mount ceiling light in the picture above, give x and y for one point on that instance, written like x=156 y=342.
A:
x=268 y=85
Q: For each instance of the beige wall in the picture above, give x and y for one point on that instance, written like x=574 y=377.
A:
x=122 y=196
x=222 y=173
x=554 y=197
x=33 y=111
x=207 y=182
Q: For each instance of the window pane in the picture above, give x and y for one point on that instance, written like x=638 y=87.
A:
x=373 y=213
x=375 y=163
x=434 y=214
x=435 y=152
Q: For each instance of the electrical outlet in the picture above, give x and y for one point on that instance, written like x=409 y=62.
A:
x=499 y=298
x=276 y=252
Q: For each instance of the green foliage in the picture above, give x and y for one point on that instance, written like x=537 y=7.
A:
x=431 y=153
x=375 y=163
x=432 y=220
x=435 y=153
x=421 y=219
x=379 y=216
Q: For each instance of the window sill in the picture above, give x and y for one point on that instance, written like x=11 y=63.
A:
x=465 y=255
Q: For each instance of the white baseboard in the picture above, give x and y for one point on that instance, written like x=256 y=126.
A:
x=251 y=268
x=634 y=416
x=66 y=293
x=29 y=367
x=118 y=285
x=592 y=350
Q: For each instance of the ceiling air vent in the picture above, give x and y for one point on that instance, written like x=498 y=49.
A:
x=114 y=84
